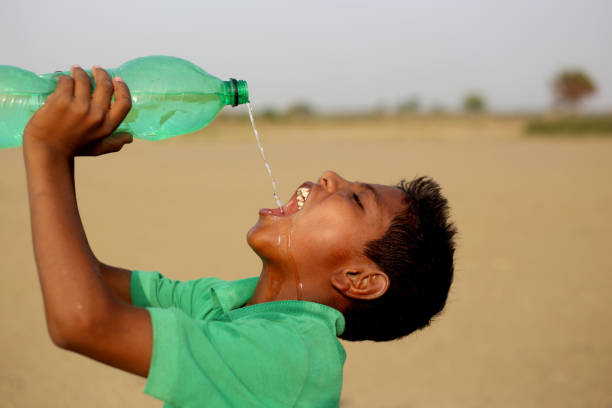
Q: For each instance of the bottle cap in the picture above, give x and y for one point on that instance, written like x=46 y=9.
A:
x=241 y=92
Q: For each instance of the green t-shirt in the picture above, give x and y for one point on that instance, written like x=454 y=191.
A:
x=209 y=351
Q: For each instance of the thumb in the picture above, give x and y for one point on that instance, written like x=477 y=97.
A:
x=115 y=142
x=111 y=144
x=120 y=138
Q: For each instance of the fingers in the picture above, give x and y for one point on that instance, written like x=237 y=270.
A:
x=82 y=86
x=65 y=89
x=104 y=89
x=122 y=104
x=96 y=113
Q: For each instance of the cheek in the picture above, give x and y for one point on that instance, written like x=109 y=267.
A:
x=324 y=243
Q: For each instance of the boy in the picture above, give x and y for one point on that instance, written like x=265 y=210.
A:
x=346 y=259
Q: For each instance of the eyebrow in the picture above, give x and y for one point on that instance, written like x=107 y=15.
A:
x=373 y=190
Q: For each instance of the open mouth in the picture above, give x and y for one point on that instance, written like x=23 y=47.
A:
x=294 y=205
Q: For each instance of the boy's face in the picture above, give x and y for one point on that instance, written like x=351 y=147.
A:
x=325 y=233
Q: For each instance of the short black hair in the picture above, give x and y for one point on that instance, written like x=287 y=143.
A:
x=416 y=253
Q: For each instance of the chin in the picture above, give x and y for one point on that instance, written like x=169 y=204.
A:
x=263 y=240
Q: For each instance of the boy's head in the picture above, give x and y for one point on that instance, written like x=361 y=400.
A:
x=382 y=255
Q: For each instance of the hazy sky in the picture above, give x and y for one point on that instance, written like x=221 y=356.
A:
x=333 y=54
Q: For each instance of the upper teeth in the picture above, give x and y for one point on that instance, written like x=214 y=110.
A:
x=302 y=195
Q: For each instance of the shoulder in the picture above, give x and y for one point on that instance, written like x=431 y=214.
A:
x=299 y=351
x=302 y=338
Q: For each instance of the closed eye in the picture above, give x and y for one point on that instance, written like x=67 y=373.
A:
x=357 y=200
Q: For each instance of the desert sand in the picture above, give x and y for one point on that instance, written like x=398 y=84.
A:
x=528 y=322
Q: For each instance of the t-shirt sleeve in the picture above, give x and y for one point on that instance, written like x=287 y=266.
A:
x=152 y=289
x=222 y=363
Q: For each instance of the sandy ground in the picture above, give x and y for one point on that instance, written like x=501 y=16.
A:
x=528 y=322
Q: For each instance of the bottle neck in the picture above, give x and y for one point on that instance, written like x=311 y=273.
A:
x=236 y=92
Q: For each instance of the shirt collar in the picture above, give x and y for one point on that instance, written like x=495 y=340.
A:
x=231 y=296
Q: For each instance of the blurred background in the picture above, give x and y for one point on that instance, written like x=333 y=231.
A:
x=507 y=104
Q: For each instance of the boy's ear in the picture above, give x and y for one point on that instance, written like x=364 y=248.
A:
x=366 y=284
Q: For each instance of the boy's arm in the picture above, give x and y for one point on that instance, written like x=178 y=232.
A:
x=117 y=279
x=83 y=315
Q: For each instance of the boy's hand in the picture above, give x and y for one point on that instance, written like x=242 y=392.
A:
x=75 y=122
x=109 y=144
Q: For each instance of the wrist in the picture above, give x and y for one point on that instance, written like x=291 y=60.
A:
x=33 y=150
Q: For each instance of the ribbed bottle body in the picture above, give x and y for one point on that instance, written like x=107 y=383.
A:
x=170 y=97
x=21 y=94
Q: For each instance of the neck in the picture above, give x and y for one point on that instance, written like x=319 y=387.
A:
x=276 y=284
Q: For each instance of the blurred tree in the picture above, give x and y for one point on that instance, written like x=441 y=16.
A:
x=270 y=113
x=380 y=109
x=300 y=109
x=571 y=86
x=473 y=103
x=410 y=105
x=438 y=109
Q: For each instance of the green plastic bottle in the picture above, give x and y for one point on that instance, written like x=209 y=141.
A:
x=170 y=97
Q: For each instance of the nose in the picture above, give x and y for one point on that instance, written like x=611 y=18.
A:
x=332 y=181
